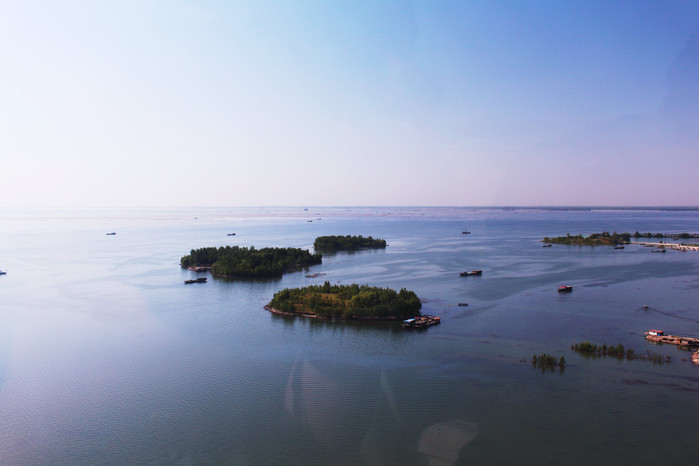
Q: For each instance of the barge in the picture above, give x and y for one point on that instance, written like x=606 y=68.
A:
x=196 y=280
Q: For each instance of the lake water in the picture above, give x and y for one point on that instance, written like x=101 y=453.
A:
x=107 y=357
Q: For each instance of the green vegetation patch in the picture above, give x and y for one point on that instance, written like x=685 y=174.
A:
x=234 y=261
x=347 y=243
x=666 y=235
x=618 y=351
x=347 y=302
x=547 y=361
x=595 y=239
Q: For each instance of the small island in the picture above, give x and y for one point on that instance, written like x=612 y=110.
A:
x=237 y=262
x=350 y=302
x=595 y=239
x=347 y=243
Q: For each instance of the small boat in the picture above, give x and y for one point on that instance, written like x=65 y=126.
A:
x=472 y=272
x=465 y=232
x=196 y=280
x=565 y=289
x=658 y=250
x=314 y=275
x=547 y=245
x=3 y=272
x=231 y=234
x=111 y=233
x=463 y=304
x=421 y=322
x=619 y=246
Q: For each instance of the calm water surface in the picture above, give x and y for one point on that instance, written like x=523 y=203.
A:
x=106 y=357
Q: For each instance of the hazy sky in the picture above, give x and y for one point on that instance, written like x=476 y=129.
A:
x=168 y=103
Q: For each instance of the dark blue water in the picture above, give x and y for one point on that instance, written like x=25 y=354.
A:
x=107 y=357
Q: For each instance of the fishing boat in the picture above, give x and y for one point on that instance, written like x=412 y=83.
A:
x=565 y=289
x=111 y=233
x=231 y=234
x=472 y=272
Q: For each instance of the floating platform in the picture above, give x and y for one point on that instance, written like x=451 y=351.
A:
x=658 y=336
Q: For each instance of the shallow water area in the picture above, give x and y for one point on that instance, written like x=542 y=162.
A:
x=106 y=356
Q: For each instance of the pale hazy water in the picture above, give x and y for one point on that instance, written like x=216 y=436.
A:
x=107 y=357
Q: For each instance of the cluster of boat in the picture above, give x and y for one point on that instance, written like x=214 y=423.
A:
x=421 y=321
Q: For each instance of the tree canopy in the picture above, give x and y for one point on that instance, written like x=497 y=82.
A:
x=347 y=302
x=594 y=239
x=234 y=261
x=347 y=243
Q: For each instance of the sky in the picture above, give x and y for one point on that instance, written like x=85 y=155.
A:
x=349 y=103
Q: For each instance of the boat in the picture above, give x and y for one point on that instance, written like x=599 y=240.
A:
x=111 y=233
x=465 y=232
x=658 y=250
x=463 y=304
x=619 y=246
x=231 y=234
x=547 y=245
x=196 y=280
x=421 y=321
x=565 y=289
x=3 y=272
x=472 y=272
x=314 y=275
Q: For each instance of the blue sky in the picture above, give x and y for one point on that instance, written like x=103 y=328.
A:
x=171 y=103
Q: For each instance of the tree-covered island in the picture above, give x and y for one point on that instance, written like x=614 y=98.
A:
x=237 y=262
x=351 y=302
x=594 y=239
x=347 y=243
